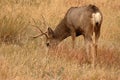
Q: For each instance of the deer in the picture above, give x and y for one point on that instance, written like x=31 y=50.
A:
x=85 y=20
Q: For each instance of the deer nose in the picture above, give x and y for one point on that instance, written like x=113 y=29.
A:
x=47 y=44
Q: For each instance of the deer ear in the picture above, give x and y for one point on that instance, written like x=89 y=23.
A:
x=50 y=32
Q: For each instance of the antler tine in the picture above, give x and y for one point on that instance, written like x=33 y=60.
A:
x=38 y=28
x=43 y=33
x=37 y=35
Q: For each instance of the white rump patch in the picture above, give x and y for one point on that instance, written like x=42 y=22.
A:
x=96 y=18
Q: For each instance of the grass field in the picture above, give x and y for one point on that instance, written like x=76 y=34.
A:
x=22 y=58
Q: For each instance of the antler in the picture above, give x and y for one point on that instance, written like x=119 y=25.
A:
x=43 y=33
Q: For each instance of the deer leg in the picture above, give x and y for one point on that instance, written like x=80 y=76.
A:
x=96 y=46
x=73 y=35
x=96 y=42
x=87 y=46
x=97 y=35
x=93 y=53
x=90 y=49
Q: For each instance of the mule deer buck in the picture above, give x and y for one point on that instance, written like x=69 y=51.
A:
x=85 y=20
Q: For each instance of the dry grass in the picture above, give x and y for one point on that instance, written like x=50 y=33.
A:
x=30 y=61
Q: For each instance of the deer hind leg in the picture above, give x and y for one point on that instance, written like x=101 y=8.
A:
x=90 y=49
x=73 y=35
x=93 y=53
x=97 y=35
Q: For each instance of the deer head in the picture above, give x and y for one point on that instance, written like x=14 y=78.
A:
x=51 y=40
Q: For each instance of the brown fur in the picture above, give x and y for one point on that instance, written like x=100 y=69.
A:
x=77 y=21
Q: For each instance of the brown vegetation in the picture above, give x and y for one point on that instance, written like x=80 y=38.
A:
x=25 y=59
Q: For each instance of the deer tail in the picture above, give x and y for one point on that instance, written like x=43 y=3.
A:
x=96 y=18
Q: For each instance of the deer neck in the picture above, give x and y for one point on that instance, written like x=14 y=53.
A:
x=62 y=31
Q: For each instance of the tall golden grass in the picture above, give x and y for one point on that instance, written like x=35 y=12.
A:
x=31 y=61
